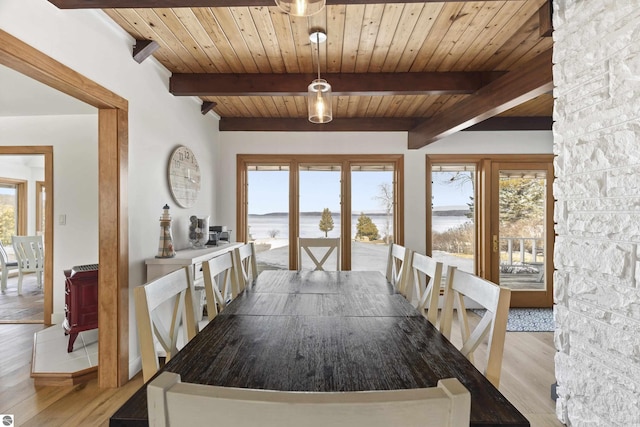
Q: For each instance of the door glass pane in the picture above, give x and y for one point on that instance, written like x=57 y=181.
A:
x=522 y=196
x=372 y=203
x=8 y=215
x=453 y=215
x=319 y=206
x=268 y=215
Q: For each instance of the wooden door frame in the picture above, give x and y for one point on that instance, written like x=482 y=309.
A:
x=293 y=161
x=485 y=191
x=113 y=277
x=40 y=185
x=527 y=298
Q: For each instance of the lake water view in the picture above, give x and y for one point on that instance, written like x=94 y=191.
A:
x=261 y=225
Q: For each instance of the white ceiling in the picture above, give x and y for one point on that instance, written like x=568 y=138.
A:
x=23 y=96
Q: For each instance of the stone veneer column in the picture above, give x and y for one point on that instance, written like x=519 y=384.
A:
x=597 y=143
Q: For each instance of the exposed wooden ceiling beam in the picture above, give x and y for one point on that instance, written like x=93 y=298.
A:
x=143 y=49
x=124 y=4
x=377 y=124
x=532 y=79
x=341 y=84
x=513 y=123
x=207 y=106
x=373 y=124
x=545 y=16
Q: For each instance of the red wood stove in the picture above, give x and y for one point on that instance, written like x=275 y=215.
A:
x=81 y=301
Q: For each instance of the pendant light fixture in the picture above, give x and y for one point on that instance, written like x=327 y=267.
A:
x=319 y=94
x=301 y=7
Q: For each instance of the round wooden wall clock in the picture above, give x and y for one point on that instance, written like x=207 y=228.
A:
x=184 y=176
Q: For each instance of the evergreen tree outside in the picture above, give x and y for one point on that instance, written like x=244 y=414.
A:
x=366 y=228
x=326 y=222
x=7 y=224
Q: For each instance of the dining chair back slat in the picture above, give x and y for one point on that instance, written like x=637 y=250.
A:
x=331 y=245
x=171 y=402
x=174 y=290
x=29 y=252
x=397 y=259
x=246 y=267
x=6 y=266
x=493 y=324
x=220 y=279
x=427 y=278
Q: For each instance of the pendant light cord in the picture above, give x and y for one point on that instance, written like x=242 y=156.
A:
x=318 y=51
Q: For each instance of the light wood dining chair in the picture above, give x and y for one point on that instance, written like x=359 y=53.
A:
x=29 y=252
x=220 y=279
x=170 y=294
x=6 y=266
x=426 y=275
x=246 y=267
x=397 y=259
x=329 y=244
x=171 y=402
x=493 y=324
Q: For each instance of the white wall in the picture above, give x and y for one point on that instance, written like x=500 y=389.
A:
x=597 y=73
x=88 y=42
x=233 y=143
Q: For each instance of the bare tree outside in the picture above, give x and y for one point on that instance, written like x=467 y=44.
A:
x=385 y=197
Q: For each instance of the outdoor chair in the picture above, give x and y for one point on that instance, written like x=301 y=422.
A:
x=171 y=402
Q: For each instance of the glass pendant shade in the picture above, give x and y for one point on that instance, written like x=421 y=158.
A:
x=301 y=7
x=319 y=101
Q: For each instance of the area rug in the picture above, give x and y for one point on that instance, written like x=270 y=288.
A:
x=527 y=319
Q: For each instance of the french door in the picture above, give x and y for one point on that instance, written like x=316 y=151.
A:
x=493 y=216
x=358 y=198
x=522 y=231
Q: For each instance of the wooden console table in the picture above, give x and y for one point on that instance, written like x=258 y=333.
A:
x=158 y=267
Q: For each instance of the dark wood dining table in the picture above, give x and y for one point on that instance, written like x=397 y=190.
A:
x=325 y=331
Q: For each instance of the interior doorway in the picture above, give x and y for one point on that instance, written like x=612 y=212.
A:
x=24 y=309
x=23 y=212
x=113 y=207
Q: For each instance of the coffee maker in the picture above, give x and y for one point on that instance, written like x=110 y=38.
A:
x=218 y=233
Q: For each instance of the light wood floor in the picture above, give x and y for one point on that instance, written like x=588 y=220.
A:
x=25 y=308
x=526 y=379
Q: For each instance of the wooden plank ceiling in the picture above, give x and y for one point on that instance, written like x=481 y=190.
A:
x=397 y=66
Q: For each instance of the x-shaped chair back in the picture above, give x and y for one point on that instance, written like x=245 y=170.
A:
x=151 y=300
x=427 y=291
x=246 y=266
x=219 y=282
x=493 y=325
x=398 y=257
x=331 y=245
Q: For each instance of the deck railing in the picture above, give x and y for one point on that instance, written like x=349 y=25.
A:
x=524 y=246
